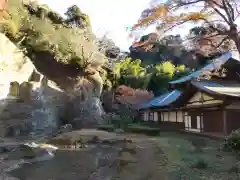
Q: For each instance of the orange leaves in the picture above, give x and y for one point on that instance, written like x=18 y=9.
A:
x=133 y=97
x=158 y=12
x=144 y=22
x=3 y=4
x=161 y=11
x=192 y=16
x=195 y=16
x=147 y=44
x=137 y=44
x=167 y=17
x=3 y=14
x=171 y=19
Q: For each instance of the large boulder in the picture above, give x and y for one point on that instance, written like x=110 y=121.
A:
x=35 y=101
x=32 y=152
x=28 y=101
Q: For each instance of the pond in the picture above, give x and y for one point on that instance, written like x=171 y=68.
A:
x=169 y=156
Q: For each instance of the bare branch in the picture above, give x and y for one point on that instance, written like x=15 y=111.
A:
x=220 y=32
x=182 y=4
x=221 y=15
x=222 y=41
x=227 y=7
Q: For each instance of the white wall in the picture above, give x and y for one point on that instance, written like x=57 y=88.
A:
x=179 y=116
x=146 y=116
x=172 y=116
x=155 y=116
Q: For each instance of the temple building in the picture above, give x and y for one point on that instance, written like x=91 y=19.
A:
x=205 y=101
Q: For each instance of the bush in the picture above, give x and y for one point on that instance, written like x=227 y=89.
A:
x=200 y=164
x=198 y=144
x=108 y=128
x=133 y=128
x=9 y=29
x=143 y=130
x=232 y=142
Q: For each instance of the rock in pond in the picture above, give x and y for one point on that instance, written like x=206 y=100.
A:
x=33 y=152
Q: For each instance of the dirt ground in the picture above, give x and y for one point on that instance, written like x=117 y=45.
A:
x=169 y=156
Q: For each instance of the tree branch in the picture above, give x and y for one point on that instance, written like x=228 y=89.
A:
x=222 y=41
x=173 y=26
x=220 y=32
x=182 y=4
x=221 y=15
x=227 y=7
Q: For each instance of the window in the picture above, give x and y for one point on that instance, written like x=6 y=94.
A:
x=151 y=116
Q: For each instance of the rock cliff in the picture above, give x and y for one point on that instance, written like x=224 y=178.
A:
x=32 y=103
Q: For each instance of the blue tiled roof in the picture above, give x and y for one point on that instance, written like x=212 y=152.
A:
x=162 y=100
x=216 y=63
x=220 y=87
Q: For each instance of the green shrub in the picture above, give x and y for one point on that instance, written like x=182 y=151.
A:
x=55 y=17
x=232 y=142
x=132 y=128
x=143 y=130
x=235 y=168
x=198 y=144
x=108 y=128
x=200 y=164
x=9 y=29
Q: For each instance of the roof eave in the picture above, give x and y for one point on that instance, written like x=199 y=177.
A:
x=211 y=92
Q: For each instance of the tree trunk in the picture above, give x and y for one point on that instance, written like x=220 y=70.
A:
x=237 y=42
x=234 y=35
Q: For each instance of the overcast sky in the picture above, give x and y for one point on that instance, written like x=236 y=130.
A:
x=110 y=16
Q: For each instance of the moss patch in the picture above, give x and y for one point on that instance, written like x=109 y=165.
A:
x=184 y=161
x=133 y=128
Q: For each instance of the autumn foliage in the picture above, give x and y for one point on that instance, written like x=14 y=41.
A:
x=3 y=4
x=162 y=13
x=132 y=97
x=3 y=7
x=146 y=44
x=174 y=13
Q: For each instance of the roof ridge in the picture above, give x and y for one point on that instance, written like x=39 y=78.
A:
x=220 y=60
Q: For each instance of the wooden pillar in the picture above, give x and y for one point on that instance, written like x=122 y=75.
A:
x=168 y=115
x=225 y=126
x=176 y=116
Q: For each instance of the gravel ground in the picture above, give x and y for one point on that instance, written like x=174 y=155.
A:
x=102 y=162
x=167 y=157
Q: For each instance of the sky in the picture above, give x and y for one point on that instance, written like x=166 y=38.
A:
x=108 y=16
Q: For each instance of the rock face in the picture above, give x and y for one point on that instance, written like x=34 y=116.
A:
x=29 y=102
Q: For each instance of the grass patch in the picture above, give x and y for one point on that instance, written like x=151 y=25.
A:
x=109 y=128
x=196 y=158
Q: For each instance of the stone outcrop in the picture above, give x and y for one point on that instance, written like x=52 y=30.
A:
x=30 y=103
